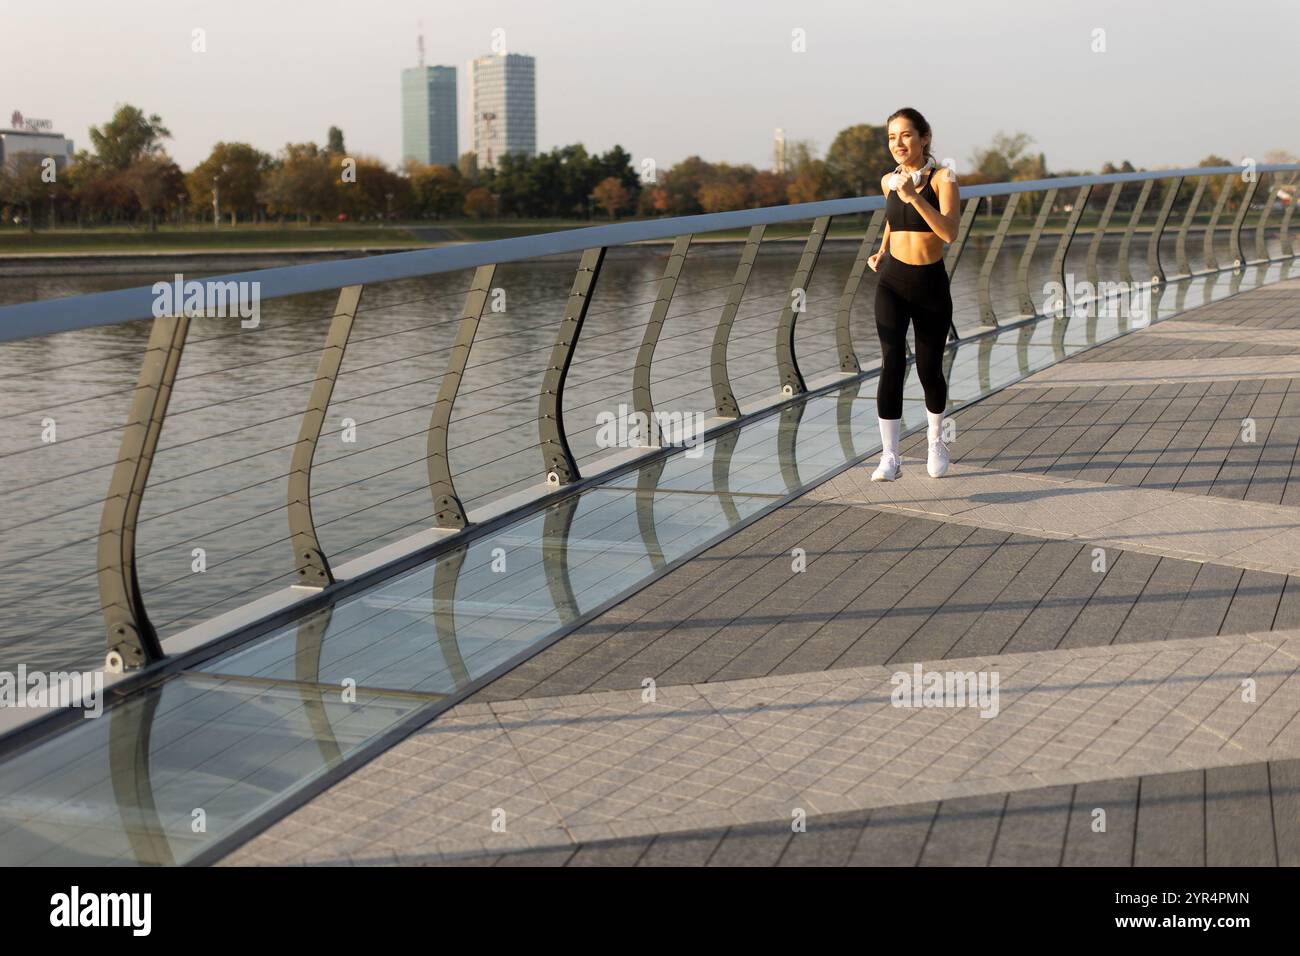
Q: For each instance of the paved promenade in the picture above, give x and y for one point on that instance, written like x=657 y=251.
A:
x=1115 y=552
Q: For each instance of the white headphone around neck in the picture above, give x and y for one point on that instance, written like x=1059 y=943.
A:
x=896 y=179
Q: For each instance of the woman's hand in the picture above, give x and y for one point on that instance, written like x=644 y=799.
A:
x=873 y=259
x=907 y=189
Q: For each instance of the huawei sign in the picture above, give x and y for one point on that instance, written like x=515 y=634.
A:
x=35 y=125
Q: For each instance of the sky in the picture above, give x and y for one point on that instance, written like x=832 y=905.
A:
x=1177 y=79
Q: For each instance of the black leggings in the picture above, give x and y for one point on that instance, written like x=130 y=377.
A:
x=920 y=293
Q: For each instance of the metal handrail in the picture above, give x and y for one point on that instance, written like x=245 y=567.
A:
x=126 y=305
x=132 y=640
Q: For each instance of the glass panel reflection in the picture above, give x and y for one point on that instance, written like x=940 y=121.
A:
x=439 y=627
x=133 y=785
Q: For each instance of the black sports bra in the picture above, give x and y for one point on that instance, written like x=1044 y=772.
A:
x=904 y=217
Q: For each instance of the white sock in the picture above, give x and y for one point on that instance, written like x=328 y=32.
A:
x=889 y=435
x=936 y=425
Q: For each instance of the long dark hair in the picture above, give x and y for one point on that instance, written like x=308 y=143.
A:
x=919 y=122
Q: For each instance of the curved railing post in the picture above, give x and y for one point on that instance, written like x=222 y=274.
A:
x=647 y=487
x=313 y=568
x=848 y=397
x=1288 y=250
x=953 y=255
x=556 y=532
x=1211 y=257
x=1252 y=184
x=844 y=311
x=724 y=401
x=1063 y=246
x=130 y=751
x=445 y=577
x=787 y=363
x=1098 y=234
x=787 y=441
x=1157 y=233
x=561 y=468
x=642 y=400
x=308 y=644
x=1180 y=244
x=132 y=640
x=1125 y=271
x=1027 y=306
x=1261 y=241
x=987 y=316
x=448 y=510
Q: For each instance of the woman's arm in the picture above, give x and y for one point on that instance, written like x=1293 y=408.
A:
x=874 y=260
x=943 y=221
x=884 y=191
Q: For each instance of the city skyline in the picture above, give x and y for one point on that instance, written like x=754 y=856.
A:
x=674 y=86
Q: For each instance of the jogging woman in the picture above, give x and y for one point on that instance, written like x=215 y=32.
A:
x=921 y=215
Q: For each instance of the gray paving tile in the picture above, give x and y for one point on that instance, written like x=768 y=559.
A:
x=1238 y=817
x=760 y=845
x=1284 y=791
x=1033 y=828
x=895 y=836
x=1103 y=818
x=964 y=831
x=1171 y=820
x=681 y=850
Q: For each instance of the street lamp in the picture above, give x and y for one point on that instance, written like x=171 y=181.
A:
x=216 y=196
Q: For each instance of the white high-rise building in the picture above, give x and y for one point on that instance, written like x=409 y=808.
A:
x=504 y=106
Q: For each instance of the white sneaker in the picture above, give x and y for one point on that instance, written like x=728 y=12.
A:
x=888 y=469
x=937 y=464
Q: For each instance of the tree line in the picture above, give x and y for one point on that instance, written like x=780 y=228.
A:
x=127 y=177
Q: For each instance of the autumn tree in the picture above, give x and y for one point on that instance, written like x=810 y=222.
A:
x=300 y=183
x=467 y=166
x=1006 y=160
x=23 y=184
x=369 y=189
x=858 y=157
x=768 y=188
x=681 y=185
x=157 y=184
x=236 y=170
x=612 y=196
x=437 y=191
x=125 y=138
x=480 y=203
x=722 y=196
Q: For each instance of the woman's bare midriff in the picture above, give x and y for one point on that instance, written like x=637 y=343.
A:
x=915 y=248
